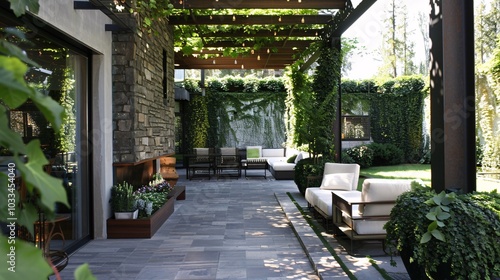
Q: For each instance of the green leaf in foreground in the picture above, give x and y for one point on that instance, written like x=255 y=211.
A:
x=21 y=254
x=50 y=188
x=83 y=273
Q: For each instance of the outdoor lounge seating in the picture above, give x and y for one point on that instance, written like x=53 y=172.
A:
x=338 y=177
x=362 y=214
x=228 y=163
x=274 y=160
x=201 y=163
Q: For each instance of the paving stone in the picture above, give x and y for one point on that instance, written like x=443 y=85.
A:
x=225 y=229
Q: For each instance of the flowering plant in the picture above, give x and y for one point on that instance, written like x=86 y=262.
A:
x=151 y=197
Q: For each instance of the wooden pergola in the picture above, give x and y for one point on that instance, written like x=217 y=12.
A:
x=288 y=35
x=451 y=75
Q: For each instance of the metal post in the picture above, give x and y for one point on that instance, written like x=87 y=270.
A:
x=459 y=95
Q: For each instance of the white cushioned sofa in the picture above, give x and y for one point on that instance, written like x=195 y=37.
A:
x=276 y=160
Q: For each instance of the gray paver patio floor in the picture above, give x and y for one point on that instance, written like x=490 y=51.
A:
x=226 y=229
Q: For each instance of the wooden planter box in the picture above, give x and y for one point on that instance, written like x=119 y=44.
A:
x=140 y=228
x=145 y=228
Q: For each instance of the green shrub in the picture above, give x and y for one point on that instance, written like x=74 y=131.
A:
x=362 y=155
x=463 y=236
x=305 y=168
x=386 y=154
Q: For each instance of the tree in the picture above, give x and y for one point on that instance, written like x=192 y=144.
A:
x=487 y=50
x=397 y=49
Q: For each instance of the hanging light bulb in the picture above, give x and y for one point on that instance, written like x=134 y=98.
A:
x=213 y=61
x=268 y=50
x=302 y=20
x=242 y=66
x=235 y=61
x=300 y=1
x=252 y=51
x=258 y=57
x=279 y=19
x=180 y=2
x=243 y=44
x=211 y=17
x=234 y=18
x=275 y=33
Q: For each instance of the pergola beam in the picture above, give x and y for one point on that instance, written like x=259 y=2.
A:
x=250 y=20
x=259 y=4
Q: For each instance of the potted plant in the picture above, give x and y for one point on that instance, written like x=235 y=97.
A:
x=446 y=235
x=123 y=201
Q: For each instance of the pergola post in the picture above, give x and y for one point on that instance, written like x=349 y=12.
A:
x=452 y=95
x=337 y=133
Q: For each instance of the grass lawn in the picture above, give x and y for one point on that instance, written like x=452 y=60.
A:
x=402 y=171
x=416 y=171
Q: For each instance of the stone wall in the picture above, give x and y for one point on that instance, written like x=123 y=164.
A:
x=143 y=120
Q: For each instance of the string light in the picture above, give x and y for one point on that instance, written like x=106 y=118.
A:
x=234 y=18
x=268 y=51
x=279 y=19
x=242 y=66
x=235 y=61
x=258 y=57
x=302 y=20
x=275 y=33
x=213 y=61
x=252 y=51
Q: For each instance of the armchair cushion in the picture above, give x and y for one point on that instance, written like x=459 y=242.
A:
x=337 y=181
x=375 y=190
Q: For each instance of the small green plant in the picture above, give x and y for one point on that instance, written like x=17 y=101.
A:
x=438 y=214
x=123 y=198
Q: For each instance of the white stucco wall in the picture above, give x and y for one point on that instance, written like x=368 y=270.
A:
x=88 y=28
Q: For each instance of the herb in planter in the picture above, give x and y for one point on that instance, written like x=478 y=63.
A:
x=123 y=198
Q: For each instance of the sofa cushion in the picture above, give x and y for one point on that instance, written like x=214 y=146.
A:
x=381 y=190
x=267 y=153
x=254 y=151
x=361 y=226
x=282 y=166
x=337 y=181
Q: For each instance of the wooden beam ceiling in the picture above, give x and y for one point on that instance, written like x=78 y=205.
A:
x=278 y=44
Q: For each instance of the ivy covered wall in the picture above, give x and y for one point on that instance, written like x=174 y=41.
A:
x=396 y=110
x=237 y=112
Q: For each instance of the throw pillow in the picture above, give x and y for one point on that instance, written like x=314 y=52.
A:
x=253 y=151
x=337 y=181
x=291 y=159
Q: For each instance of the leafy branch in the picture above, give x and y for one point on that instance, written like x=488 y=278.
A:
x=438 y=214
